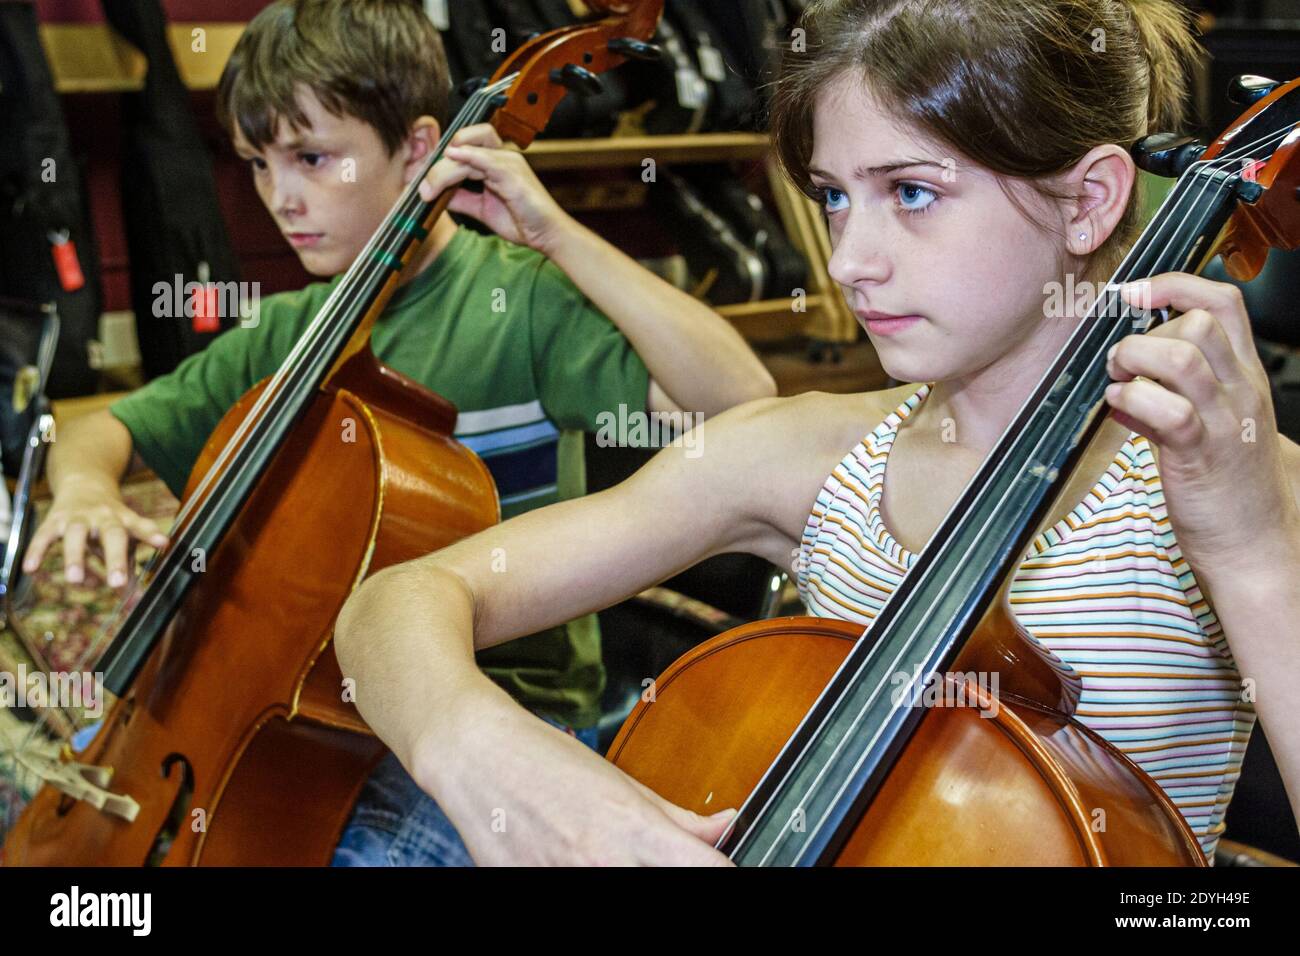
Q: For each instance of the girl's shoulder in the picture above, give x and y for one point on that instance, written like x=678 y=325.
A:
x=828 y=420
x=786 y=448
x=811 y=431
x=805 y=435
x=837 y=421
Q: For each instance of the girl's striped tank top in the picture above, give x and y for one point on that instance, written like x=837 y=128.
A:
x=1106 y=590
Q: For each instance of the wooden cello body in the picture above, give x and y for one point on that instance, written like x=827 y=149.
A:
x=241 y=730
x=1016 y=784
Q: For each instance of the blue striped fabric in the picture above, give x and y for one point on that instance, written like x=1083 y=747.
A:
x=518 y=443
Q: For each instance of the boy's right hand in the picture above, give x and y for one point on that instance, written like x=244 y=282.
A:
x=84 y=510
x=513 y=204
x=525 y=793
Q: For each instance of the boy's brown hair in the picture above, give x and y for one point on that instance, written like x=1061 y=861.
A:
x=1022 y=88
x=380 y=61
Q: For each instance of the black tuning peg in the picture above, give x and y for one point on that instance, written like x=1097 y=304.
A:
x=472 y=86
x=634 y=49
x=1166 y=154
x=577 y=78
x=1245 y=90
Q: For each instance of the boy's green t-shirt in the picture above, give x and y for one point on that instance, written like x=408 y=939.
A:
x=528 y=360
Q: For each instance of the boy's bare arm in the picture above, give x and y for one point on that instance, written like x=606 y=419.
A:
x=87 y=461
x=697 y=361
x=93 y=446
x=694 y=355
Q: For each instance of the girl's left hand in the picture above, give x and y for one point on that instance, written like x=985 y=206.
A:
x=1203 y=399
x=513 y=204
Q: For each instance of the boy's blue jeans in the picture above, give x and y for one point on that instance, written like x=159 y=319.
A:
x=395 y=823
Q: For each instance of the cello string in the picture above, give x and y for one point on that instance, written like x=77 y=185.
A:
x=1218 y=162
x=408 y=206
x=224 y=497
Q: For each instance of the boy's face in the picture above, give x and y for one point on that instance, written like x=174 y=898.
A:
x=329 y=185
x=937 y=240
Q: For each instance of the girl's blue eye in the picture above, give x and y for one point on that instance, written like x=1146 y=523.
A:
x=914 y=198
x=256 y=162
x=312 y=159
x=830 y=197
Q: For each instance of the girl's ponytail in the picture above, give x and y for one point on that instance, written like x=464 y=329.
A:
x=1171 y=52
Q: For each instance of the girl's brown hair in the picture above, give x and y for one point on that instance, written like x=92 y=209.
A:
x=1024 y=88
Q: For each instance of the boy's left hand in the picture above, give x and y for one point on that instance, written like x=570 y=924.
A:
x=513 y=204
x=1203 y=399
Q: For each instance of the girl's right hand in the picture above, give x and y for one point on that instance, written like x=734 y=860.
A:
x=526 y=793
x=91 y=511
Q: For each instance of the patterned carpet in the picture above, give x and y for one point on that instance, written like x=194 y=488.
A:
x=67 y=617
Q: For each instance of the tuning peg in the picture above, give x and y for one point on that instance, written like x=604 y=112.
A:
x=576 y=78
x=634 y=49
x=472 y=86
x=1246 y=89
x=1166 y=154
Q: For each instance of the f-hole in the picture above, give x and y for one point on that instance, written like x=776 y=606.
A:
x=171 y=825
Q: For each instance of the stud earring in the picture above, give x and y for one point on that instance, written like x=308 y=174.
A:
x=1083 y=236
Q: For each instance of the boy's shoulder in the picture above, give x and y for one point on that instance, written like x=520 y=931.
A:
x=477 y=265
x=549 y=287
x=488 y=251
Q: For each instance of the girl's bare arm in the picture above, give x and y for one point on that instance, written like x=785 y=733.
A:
x=407 y=637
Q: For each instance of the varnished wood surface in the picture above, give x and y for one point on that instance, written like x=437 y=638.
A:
x=1023 y=787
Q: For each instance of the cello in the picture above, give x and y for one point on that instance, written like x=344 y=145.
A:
x=233 y=738
x=801 y=722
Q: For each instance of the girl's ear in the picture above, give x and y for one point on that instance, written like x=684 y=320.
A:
x=422 y=140
x=1101 y=183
